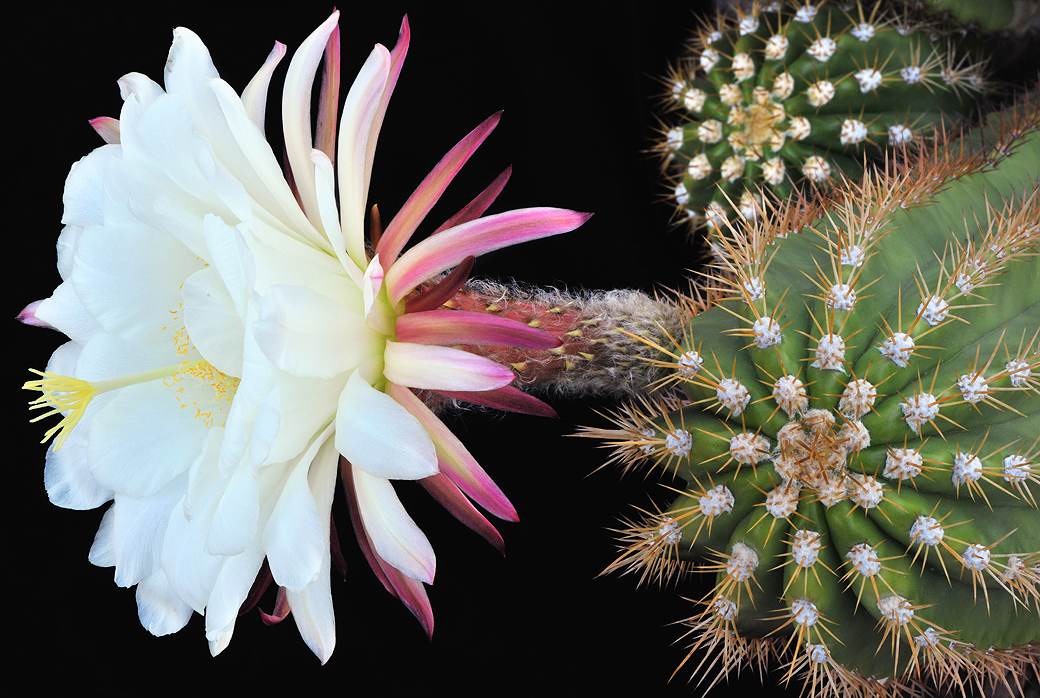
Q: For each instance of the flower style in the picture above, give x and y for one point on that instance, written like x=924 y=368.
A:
x=233 y=340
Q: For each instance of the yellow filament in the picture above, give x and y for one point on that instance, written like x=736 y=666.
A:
x=70 y=396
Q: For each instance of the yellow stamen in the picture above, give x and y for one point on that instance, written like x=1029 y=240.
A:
x=60 y=394
x=70 y=396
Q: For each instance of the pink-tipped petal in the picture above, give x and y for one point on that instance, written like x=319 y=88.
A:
x=28 y=316
x=296 y=113
x=445 y=289
x=107 y=128
x=450 y=327
x=356 y=147
x=475 y=209
x=280 y=611
x=395 y=537
x=254 y=97
x=453 y=458
x=346 y=475
x=364 y=135
x=412 y=594
x=508 y=398
x=328 y=101
x=441 y=368
x=262 y=580
x=396 y=58
x=451 y=498
x=408 y=591
x=414 y=210
x=444 y=250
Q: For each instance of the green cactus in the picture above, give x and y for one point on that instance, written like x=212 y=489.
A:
x=858 y=431
x=993 y=16
x=801 y=92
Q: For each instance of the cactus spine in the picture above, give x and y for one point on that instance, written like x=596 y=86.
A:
x=857 y=431
x=799 y=92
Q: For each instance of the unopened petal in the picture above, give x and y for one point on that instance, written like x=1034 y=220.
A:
x=442 y=368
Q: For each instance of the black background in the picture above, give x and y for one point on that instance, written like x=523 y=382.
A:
x=578 y=86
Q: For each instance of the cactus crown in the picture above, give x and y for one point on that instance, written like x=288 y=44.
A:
x=798 y=92
x=857 y=429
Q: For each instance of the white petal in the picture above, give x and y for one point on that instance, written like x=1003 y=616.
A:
x=378 y=435
x=312 y=605
x=212 y=321
x=296 y=536
x=102 y=550
x=84 y=187
x=142 y=440
x=297 y=408
x=314 y=615
x=378 y=313
x=259 y=170
x=328 y=212
x=106 y=356
x=142 y=87
x=357 y=130
x=308 y=334
x=243 y=427
x=67 y=478
x=64 y=312
x=254 y=97
x=229 y=592
x=220 y=640
x=190 y=571
x=138 y=528
x=160 y=610
x=296 y=112
x=129 y=277
x=394 y=535
x=234 y=525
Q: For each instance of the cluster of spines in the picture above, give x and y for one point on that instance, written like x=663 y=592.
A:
x=797 y=93
x=729 y=420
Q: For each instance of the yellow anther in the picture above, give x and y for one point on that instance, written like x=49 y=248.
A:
x=60 y=394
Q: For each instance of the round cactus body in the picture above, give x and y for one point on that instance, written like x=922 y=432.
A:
x=859 y=432
x=802 y=92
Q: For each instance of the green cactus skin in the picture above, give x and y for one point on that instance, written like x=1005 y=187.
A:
x=802 y=92
x=992 y=16
x=859 y=432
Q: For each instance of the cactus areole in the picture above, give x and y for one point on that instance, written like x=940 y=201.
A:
x=796 y=93
x=859 y=432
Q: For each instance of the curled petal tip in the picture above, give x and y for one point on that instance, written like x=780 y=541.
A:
x=28 y=316
x=107 y=128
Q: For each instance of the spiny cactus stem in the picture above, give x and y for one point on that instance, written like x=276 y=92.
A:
x=599 y=351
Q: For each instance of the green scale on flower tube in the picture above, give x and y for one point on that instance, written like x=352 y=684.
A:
x=861 y=402
x=799 y=93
